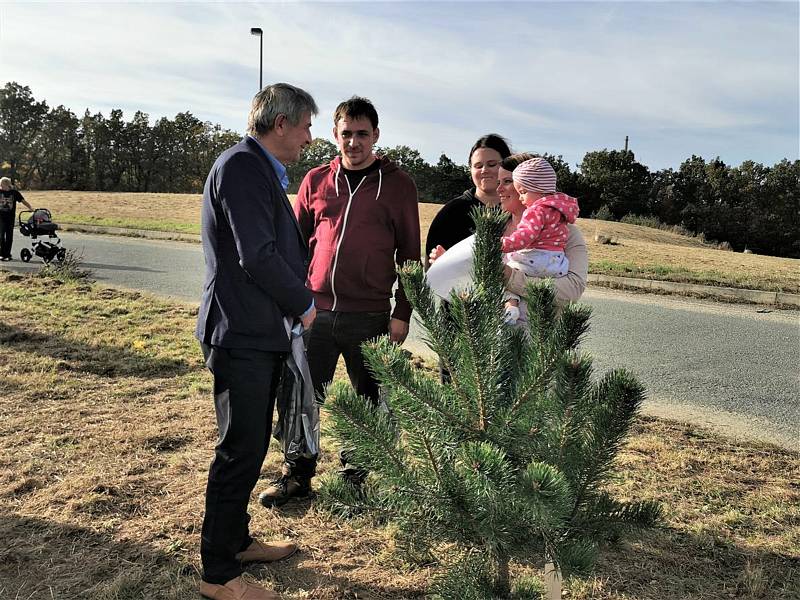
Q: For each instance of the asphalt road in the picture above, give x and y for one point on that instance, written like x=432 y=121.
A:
x=734 y=368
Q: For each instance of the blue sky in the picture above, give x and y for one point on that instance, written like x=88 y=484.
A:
x=679 y=78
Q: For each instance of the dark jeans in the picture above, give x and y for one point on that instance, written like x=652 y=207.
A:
x=337 y=334
x=6 y=232
x=244 y=397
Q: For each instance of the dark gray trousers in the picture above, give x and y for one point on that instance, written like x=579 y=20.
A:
x=245 y=383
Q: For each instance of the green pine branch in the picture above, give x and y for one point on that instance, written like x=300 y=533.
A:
x=369 y=434
x=616 y=400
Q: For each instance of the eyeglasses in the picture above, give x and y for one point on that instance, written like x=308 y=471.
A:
x=490 y=164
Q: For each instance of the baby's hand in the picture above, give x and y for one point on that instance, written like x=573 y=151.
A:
x=435 y=253
x=512 y=314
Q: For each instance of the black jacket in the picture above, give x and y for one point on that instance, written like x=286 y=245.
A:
x=256 y=258
x=453 y=222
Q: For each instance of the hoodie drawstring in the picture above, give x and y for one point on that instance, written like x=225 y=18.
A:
x=339 y=170
x=341 y=234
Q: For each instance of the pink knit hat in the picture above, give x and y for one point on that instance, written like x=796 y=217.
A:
x=535 y=175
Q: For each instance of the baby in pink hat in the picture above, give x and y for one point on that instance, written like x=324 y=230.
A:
x=537 y=244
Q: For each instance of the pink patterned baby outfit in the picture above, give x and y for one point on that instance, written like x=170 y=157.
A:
x=537 y=244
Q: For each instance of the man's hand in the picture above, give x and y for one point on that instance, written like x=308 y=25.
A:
x=398 y=331
x=308 y=320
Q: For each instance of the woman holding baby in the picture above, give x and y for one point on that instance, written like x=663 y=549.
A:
x=492 y=167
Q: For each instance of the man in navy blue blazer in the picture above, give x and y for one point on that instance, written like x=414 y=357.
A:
x=256 y=266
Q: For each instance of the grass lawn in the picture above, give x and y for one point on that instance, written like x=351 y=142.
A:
x=107 y=431
x=639 y=251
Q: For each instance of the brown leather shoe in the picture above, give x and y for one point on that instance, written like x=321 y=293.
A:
x=237 y=589
x=284 y=489
x=269 y=552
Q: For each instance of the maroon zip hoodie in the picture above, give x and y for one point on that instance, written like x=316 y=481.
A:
x=356 y=237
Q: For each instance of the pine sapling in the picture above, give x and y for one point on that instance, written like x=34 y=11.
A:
x=508 y=459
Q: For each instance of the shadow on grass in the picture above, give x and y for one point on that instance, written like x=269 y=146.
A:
x=671 y=564
x=40 y=558
x=102 y=266
x=291 y=575
x=45 y=559
x=660 y=564
x=99 y=359
x=9 y=387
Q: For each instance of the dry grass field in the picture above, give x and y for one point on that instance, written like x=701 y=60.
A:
x=107 y=431
x=637 y=251
x=160 y=212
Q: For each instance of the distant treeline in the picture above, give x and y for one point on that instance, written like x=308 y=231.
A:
x=749 y=206
x=46 y=149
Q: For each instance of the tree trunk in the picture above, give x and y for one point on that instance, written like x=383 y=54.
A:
x=552 y=582
x=502 y=580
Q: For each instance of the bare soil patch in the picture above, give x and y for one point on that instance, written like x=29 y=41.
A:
x=107 y=432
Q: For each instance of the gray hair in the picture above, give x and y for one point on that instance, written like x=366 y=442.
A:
x=278 y=99
x=6 y=181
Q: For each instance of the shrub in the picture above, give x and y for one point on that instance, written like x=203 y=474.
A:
x=68 y=270
x=655 y=223
x=603 y=214
x=644 y=221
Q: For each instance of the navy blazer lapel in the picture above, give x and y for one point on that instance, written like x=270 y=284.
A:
x=254 y=146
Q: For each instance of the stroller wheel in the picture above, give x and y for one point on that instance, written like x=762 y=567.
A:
x=25 y=255
x=61 y=255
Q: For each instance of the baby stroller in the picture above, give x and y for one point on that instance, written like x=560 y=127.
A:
x=39 y=223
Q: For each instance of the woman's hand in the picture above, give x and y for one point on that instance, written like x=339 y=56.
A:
x=435 y=253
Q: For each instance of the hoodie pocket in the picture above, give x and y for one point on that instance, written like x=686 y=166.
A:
x=379 y=273
x=319 y=271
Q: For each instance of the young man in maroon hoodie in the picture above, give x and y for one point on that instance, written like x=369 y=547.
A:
x=360 y=216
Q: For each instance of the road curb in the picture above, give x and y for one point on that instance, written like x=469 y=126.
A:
x=652 y=285
x=128 y=232
x=694 y=289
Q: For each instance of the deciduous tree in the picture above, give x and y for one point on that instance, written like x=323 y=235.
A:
x=21 y=120
x=615 y=179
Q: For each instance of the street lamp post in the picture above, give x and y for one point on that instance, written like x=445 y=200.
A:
x=257 y=31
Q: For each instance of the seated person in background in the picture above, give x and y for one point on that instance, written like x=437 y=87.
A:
x=536 y=246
